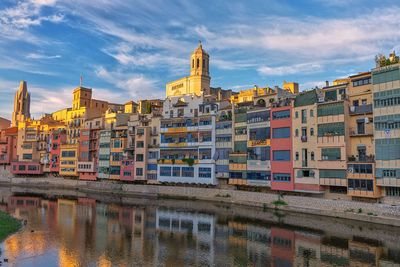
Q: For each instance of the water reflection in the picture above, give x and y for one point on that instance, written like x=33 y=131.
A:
x=82 y=231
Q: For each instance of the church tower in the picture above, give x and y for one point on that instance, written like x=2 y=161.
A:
x=199 y=71
x=22 y=102
x=198 y=82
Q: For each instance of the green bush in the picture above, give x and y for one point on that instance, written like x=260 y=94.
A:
x=8 y=225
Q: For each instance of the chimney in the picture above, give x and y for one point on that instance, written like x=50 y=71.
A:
x=327 y=83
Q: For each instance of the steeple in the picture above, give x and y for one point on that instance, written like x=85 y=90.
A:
x=199 y=62
x=22 y=102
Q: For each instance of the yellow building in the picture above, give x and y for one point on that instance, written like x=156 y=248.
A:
x=199 y=80
x=360 y=149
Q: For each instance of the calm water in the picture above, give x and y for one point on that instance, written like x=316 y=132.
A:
x=93 y=230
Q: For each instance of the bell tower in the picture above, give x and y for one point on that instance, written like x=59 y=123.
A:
x=199 y=61
x=22 y=102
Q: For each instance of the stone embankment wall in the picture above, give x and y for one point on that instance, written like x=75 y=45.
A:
x=371 y=212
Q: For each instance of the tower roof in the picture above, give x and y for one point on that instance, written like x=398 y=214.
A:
x=200 y=50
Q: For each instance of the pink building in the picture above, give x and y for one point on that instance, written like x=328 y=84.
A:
x=127 y=170
x=26 y=168
x=281 y=147
x=57 y=138
x=8 y=145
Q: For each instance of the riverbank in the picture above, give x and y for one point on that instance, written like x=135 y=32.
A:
x=8 y=225
x=369 y=212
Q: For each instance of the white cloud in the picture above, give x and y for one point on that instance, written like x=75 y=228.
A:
x=135 y=86
x=290 y=69
x=41 y=56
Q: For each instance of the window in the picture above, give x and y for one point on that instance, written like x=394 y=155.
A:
x=330 y=153
x=361 y=184
x=297 y=155
x=187 y=171
x=337 y=174
x=139 y=144
x=26 y=156
x=176 y=171
x=127 y=173
x=263 y=176
x=303 y=116
x=281 y=132
x=153 y=154
x=165 y=171
x=312 y=156
x=236 y=175
x=330 y=109
x=387 y=148
x=283 y=114
x=296 y=114
x=389 y=173
x=296 y=132
x=32 y=168
x=152 y=167
x=139 y=171
x=311 y=113
x=84 y=155
x=355 y=103
x=281 y=177
x=68 y=154
x=259 y=133
x=204 y=172
x=312 y=131
x=362 y=82
x=360 y=168
x=331 y=129
x=281 y=155
x=258 y=153
x=139 y=157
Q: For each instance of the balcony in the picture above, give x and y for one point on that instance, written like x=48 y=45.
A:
x=366 y=131
x=357 y=158
x=363 y=109
x=304 y=138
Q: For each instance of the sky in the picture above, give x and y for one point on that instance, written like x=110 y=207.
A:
x=129 y=49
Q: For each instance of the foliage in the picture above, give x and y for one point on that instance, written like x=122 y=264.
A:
x=279 y=202
x=189 y=161
x=382 y=60
x=8 y=225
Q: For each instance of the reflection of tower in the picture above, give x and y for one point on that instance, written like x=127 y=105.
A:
x=22 y=101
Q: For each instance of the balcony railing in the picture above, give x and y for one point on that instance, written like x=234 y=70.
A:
x=357 y=158
x=363 y=109
x=361 y=132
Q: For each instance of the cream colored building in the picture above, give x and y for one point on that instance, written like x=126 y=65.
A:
x=199 y=80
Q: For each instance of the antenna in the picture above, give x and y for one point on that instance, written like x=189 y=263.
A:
x=80 y=81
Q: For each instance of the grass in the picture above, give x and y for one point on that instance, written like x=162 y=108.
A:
x=8 y=225
x=279 y=202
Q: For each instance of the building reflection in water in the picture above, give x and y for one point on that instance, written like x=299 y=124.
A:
x=83 y=232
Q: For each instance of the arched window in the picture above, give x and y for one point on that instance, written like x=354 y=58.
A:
x=312 y=155
x=202 y=66
x=192 y=63
x=198 y=63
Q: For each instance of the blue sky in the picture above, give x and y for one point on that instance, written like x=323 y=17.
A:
x=129 y=49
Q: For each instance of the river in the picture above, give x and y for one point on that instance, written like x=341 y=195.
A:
x=66 y=228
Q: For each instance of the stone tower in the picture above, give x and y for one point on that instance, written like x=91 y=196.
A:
x=22 y=102
x=199 y=70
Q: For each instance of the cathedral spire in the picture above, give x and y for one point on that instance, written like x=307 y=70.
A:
x=22 y=101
